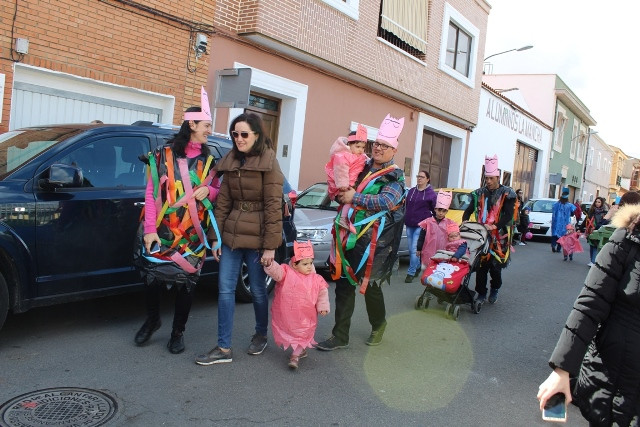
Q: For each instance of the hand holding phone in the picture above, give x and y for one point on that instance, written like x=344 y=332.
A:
x=555 y=409
x=155 y=248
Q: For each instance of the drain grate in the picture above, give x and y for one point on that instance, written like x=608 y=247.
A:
x=62 y=406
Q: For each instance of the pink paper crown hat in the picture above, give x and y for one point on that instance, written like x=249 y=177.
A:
x=360 y=135
x=452 y=228
x=389 y=130
x=205 y=114
x=491 y=166
x=443 y=200
x=302 y=250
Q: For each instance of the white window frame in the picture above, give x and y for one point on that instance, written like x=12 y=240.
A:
x=348 y=7
x=561 y=123
x=591 y=154
x=452 y=15
x=599 y=161
x=575 y=136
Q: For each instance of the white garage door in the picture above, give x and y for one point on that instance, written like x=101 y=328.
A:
x=43 y=97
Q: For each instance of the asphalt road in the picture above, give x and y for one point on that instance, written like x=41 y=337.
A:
x=482 y=370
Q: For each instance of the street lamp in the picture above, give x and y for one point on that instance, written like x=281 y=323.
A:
x=520 y=49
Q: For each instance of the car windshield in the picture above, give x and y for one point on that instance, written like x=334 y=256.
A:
x=20 y=146
x=316 y=197
x=545 y=206
x=460 y=201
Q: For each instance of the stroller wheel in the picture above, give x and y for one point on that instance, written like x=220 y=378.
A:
x=439 y=300
x=447 y=310
x=426 y=301
x=455 y=313
x=418 y=303
x=477 y=306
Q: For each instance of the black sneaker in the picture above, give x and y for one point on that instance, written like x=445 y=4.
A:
x=258 y=344
x=176 y=343
x=376 y=336
x=214 y=356
x=481 y=298
x=148 y=328
x=493 y=296
x=331 y=344
x=418 y=271
x=409 y=278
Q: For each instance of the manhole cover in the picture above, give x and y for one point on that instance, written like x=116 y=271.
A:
x=63 y=406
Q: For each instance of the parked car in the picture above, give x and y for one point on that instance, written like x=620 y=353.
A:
x=70 y=201
x=540 y=212
x=461 y=197
x=315 y=213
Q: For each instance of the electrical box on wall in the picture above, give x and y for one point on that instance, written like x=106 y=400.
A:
x=22 y=46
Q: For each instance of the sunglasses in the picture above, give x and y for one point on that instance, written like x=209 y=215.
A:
x=245 y=135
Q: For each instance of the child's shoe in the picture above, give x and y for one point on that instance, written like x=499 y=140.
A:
x=565 y=257
x=294 y=360
x=571 y=257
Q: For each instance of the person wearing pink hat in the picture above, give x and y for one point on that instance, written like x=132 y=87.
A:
x=173 y=244
x=494 y=206
x=346 y=162
x=300 y=295
x=433 y=234
x=367 y=257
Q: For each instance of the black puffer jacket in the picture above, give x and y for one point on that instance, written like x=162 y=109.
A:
x=605 y=324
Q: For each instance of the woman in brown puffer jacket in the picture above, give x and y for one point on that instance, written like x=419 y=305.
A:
x=600 y=342
x=249 y=213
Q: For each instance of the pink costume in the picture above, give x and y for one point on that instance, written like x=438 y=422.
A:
x=298 y=300
x=436 y=236
x=570 y=242
x=344 y=167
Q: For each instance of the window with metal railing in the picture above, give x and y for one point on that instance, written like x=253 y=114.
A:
x=404 y=24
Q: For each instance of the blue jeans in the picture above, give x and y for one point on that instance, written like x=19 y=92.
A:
x=593 y=252
x=229 y=271
x=413 y=233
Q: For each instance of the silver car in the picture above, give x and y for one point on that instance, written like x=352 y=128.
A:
x=315 y=213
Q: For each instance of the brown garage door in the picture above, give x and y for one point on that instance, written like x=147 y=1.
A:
x=525 y=170
x=435 y=157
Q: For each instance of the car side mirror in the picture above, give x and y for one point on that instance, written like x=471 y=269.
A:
x=62 y=176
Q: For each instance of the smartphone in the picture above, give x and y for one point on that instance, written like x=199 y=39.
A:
x=555 y=409
x=155 y=248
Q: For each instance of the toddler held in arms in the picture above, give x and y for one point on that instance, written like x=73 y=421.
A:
x=346 y=162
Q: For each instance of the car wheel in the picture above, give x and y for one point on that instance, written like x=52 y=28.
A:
x=4 y=300
x=243 y=290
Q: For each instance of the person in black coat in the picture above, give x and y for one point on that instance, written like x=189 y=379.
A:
x=600 y=343
x=523 y=225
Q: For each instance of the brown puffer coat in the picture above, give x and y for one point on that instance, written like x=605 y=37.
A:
x=249 y=206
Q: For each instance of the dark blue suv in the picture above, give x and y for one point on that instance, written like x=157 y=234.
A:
x=70 y=202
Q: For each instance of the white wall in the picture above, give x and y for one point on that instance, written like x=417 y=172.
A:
x=501 y=125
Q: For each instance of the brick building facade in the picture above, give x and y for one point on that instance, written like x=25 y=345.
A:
x=319 y=67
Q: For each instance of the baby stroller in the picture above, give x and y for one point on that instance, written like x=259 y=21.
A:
x=454 y=290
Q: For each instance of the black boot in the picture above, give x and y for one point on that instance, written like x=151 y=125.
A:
x=147 y=329
x=176 y=343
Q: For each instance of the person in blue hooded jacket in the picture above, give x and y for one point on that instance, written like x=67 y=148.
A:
x=560 y=217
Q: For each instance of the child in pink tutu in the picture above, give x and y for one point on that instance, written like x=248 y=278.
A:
x=300 y=295
x=570 y=243
x=346 y=163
